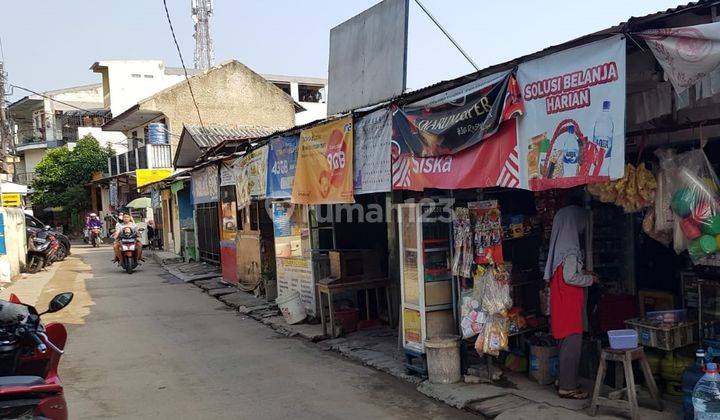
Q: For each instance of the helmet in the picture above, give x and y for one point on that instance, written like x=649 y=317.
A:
x=93 y=215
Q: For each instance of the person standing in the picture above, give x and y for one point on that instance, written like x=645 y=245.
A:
x=568 y=280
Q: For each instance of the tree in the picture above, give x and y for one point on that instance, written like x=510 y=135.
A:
x=61 y=175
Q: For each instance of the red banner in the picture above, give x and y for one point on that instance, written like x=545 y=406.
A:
x=492 y=163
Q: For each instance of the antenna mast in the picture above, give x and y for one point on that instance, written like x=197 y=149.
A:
x=204 y=53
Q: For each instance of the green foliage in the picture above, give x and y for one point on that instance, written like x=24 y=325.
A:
x=61 y=175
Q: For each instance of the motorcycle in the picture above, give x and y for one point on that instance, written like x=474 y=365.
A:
x=39 y=245
x=95 y=236
x=128 y=252
x=30 y=387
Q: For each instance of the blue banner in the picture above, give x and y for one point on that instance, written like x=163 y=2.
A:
x=282 y=157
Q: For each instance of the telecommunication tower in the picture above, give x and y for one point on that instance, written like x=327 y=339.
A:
x=201 y=12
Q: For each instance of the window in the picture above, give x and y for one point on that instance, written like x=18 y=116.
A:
x=311 y=93
x=322 y=227
x=285 y=87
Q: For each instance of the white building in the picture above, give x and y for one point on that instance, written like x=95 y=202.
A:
x=309 y=92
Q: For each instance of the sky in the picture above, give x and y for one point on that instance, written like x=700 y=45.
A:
x=52 y=44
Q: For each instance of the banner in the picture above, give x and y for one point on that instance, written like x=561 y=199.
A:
x=250 y=175
x=205 y=185
x=371 y=157
x=113 y=193
x=492 y=163
x=460 y=118
x=324 y=173
x=148 y=176
x=687 y=54
x=11 y=200
x=227 y=175
x=282 y=157
x=573 y=130
x=155 y=200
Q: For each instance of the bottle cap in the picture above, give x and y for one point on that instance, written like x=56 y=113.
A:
x=711 y=368
x=606 y=105
x=571 y=129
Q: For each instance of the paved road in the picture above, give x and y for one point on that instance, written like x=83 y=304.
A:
x=147 y=346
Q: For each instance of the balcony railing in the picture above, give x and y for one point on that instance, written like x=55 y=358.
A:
x=151 y=156
x=24 y=178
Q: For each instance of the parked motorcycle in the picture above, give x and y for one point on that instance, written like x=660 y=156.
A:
x=128 y=250
x=95 y=237
x=30 y=387
x=39 y=246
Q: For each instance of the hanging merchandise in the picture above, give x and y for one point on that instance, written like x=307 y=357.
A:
x=494 y=337
x=487 y=232
x=633 y=192
x=494 y=289
x=695 y=201
x=463 y=255
x=472 y=317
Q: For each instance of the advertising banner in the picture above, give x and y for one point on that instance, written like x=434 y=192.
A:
x=282 y=157
x=371 y=157
x=250 y=176
x=11 y=200
x=573 y=130
x=148 y=176
x=113 y=193
x=324 y=173
x=453 y=121
x=205 y=185
x=492 y=163
x=227 y=175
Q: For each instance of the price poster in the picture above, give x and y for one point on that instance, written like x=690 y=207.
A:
x=324 y=172
x=282 y=157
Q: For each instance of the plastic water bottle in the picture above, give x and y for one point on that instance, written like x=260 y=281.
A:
x=603 y=130
x=571 y=152
x=706 y=395
x=690 y=378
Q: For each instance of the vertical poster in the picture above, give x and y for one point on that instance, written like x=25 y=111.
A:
x=573 y=130
x=155 y=200
x=227 y=175
x=228 y=212
x=250 y=176
x=371 y=157
x=205 y=185
x=282 y=157
x=487 y=232
x=324 y=172
x=113 y=193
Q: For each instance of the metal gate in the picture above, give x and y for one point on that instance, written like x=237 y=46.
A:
x=208 y=232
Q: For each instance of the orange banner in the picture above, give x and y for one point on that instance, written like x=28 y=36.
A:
x=324 y=171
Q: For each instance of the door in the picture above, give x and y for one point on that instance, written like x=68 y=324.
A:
x=208 y=232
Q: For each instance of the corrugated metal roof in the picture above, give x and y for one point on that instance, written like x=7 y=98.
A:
x=206 y=137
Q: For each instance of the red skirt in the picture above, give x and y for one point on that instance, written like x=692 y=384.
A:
x=566 y=306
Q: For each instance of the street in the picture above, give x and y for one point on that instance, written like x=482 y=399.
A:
x=150 y=346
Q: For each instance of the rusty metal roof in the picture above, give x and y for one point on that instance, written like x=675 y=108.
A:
x=206 y=137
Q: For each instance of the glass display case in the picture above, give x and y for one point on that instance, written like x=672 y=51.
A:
x=427 y=288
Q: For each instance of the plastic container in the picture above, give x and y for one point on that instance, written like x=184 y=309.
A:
x=291 y=307
x=623 y=339
x=157 y=134
x=690 y=378
x=706 y=394
x=672 y=316
x=443 y=359
x=348 y=318
x=663 y=337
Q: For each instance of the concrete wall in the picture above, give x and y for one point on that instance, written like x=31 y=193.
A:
x=32 y=157
x=15 y=244
x=228 y=95
x=86 y=98
x=126 y=82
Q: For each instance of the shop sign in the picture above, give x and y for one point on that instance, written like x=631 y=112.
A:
x=205 y=185
x=371 y=157
x=573 y=130
x=227 y=176
x=457 y=119
x=282 y=158
x=148 y=176
x=324 y=173
x=11 y=199
x=176 y=186
x=113 y=193
x=250 y=175
x=492 y=163
x=296 y=275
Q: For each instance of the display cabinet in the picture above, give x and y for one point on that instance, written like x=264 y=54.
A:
x=428 y=291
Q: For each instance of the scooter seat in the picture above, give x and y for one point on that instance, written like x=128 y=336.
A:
x=21 y=380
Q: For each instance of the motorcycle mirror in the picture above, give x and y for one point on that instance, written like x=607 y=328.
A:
x=59 y=301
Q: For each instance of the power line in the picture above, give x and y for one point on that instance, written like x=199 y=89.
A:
x=187 y=78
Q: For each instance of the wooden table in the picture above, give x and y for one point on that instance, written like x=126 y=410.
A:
x=365 y=284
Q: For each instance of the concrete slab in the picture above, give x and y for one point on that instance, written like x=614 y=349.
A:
x=492 y=407
x=165 y=258
x=541 y=412
x=460 y=395
x=240 y=298
x=216 y=293
x=312 y=332
x=210 y=284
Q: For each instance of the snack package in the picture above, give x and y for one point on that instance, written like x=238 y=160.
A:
x=695 y=202
x=493 y=289
x=472 y=316
x=463 y=242
x=633 y=192
x=495 y=335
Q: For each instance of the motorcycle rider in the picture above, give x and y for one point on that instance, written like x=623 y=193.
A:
x=126 y=222
x=92 y=223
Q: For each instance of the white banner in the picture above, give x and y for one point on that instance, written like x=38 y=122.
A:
x=227 y=176
x=250 y=175
x=371 y=155
x=573 y=130
x=687 y=54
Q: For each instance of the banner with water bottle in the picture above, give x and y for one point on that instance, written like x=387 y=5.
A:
x=573 y=130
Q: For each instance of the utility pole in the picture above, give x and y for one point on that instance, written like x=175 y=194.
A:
x=201 y=12
x=5 y=139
